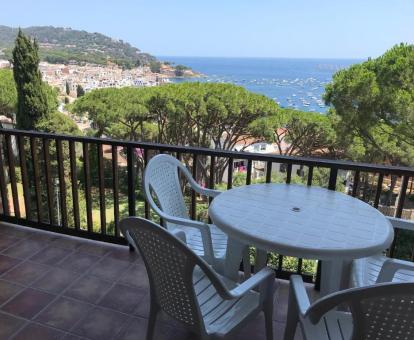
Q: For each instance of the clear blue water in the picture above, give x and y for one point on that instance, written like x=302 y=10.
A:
x=294 y=83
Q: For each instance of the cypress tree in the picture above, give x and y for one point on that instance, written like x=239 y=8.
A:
x=32 y=103
x=79 y=91
x=67 y=89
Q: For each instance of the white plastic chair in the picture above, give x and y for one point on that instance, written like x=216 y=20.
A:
x=366 y=271
x=381 y=312
x=161 y=177
x=187 y=289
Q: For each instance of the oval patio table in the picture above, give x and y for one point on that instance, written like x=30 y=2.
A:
x=303 y=221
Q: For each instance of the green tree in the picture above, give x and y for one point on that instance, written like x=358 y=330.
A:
x=155 y=66
x=180 y=69
x=373 y=106
x=297 y=132
x=32 y=100
x=67 y=88
x=58 y=123
x=79 y=91
x=8 y=93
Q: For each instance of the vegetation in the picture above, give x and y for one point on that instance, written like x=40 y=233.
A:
x=79 y=91
x=297 y=132
x=32 y=101
x=180 y=69
x=8 y=93
x=373 y=105
x=194 y=114
x=64 y=45
x=155 y=66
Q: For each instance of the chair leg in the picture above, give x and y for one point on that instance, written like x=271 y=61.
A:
x=268 y=313
x=151 y=321
x=292 y=319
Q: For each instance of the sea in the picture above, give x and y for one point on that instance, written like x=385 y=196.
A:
x=292 y=83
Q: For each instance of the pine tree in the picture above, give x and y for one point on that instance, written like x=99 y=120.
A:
x=32 y=103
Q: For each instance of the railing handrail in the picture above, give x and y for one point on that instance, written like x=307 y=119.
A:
x=307 y=161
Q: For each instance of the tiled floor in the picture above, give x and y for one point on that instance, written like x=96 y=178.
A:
x=58 y=287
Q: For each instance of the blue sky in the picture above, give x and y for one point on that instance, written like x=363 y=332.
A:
x=232 y=28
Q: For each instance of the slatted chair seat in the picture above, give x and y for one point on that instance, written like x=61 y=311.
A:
x=219 y=314
x=366 y=271
x=383 y=311
x=187 y=289
x=195 y=240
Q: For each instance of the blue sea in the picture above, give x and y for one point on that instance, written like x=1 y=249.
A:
x=294 y=83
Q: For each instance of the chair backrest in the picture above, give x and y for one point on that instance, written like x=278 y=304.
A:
x=379 y=312
x=170 y=265
x=161 y=177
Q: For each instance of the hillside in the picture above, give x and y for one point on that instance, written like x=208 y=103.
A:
x=64 y=45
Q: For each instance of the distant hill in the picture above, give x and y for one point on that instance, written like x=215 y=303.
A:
x=65 y=45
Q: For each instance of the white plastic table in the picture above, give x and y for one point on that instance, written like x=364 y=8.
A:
x=303 y=221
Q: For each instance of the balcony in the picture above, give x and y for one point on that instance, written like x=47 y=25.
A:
x=65 y=269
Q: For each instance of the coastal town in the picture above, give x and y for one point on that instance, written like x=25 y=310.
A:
x=93 y=76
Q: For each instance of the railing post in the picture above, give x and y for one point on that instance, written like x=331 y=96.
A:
x=101 y=183
x=74 y=180
x=62 y=184
x=115 y=187
x=12 y=176
x=87 y=174
x=3 y=186
x=193 y=193
x=25 y=179
x=398 y=212
x=131 y=182
x=332 y=178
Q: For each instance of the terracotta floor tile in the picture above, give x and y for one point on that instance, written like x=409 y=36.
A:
x=28 y=303
x=6 y=263
x=66 y=243
x=124 y=254
x=9 y=325
x=109 y=269
x=34 y=331
x=101 y=324
x=63 y=313
x=135 y=276
x=56 y=280
x=25 y=273
x=123 y=298
x=7 y=290
x=78 y=262
x=7 y=241
x=50 y=255
x=24 y=249
x=94 y=249
x=88 y=288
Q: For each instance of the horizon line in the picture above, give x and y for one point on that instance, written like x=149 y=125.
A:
x=256 y=57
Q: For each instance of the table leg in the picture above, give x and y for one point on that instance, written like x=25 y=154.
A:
x=261 y=259
x=233 y=258
x=334 y=276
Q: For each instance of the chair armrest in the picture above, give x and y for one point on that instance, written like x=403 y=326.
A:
x=298 y=290
x=197 y=187
x=264 y=276
x=400 y=223
x=206 y=192
x=391 y=267
x=180 y=235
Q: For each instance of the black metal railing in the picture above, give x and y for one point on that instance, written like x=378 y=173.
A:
x=83 y=186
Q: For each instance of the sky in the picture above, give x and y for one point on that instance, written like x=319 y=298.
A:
x=231 y=28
